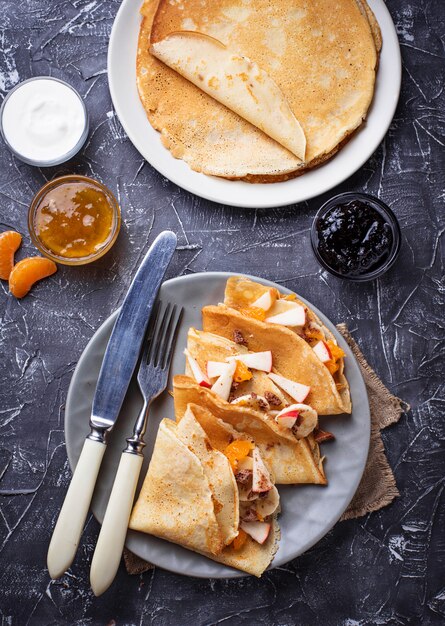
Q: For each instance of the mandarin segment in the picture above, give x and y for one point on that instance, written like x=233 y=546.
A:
x=9 y=243
x=241 y=373
x=27 y=272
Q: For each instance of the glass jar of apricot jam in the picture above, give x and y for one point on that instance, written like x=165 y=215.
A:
x=74 y=220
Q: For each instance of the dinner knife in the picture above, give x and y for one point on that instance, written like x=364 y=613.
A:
x=117 y=369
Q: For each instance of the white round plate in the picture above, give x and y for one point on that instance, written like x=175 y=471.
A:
x=122 y=80
x=308 y=511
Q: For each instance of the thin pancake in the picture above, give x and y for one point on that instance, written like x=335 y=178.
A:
x=329 y=87
x=175 y=475
x=178 y=500
x=252 y=557
x=290 y=460
x=293 y=358
x=209 y=347
x=241 y=293
x=219 y=474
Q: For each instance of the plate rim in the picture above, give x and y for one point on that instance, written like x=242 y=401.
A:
x=255 y=195
x=231 y=573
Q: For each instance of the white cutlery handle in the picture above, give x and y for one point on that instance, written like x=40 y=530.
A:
x=69 y=526
x=110 y=544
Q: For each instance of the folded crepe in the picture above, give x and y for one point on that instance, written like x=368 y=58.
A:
x=249 y=386
x=321 y=55
x=303 y=349
x=291 y=460
x=235 y=81
x=211 y=493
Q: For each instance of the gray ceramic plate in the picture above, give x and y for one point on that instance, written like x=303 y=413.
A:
x=308 y=512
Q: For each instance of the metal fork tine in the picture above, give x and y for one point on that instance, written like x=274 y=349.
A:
x=165 y=337
x=155 y=334
x=158 y=338
x=172 y=339
x=150 y=332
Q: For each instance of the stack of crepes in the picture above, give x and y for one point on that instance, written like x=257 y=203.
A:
x=256 y=90
x=257 y=377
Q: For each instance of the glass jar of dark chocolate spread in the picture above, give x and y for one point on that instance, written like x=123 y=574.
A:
x=355 y=236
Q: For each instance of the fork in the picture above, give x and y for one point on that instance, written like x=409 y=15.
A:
x=152 y=380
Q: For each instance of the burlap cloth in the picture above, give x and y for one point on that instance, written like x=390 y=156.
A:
x=378 y=486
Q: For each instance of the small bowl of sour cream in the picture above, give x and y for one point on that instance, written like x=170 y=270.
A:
x=44 y=121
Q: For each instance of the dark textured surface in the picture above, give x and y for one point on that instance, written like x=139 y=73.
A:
x=386 y=568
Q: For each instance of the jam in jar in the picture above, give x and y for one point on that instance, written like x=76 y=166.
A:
x=74 y=220
x=355 y=236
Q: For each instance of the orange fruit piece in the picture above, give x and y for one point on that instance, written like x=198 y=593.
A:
x=242 y=372
x=238 y=450
x=9 y=243
x=239 y=540
x=27 y=272
x=255 y=312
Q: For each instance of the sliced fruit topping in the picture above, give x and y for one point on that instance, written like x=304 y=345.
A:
x=216 y=368
x=261 y=361
x=297 y=391
x=197 y=372
x=239 y=540
x=27 y=272
x=253 y=401
x=246 y=463
x=305 y=419
x=337 y=353
x=296 y=316
x=261 y=480
x=321 y=349
x=9 y=244
x=237 y=451
x=269 y=504
x=242 y=372
x=323 y=435
x=265 y=301
x=290 y=296
x=287 y=417
x=259 y=531
x=248 y=512
x=255 y=312
x=223 y=384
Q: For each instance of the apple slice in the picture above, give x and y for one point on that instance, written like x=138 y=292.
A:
x=306 y=424
x=255 y=360
x=264 y=301
x=288 y=416
x=259 y=531
x=321 y=349
x=261 y=481
x=216 y=368
x=296 y=316
x=197 y=372
x=224 y=383
x=297 y=391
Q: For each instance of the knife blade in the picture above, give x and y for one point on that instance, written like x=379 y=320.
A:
x=117 y=369
x=126 y=338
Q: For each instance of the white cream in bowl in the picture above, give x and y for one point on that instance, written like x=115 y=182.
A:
x=44 y=121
